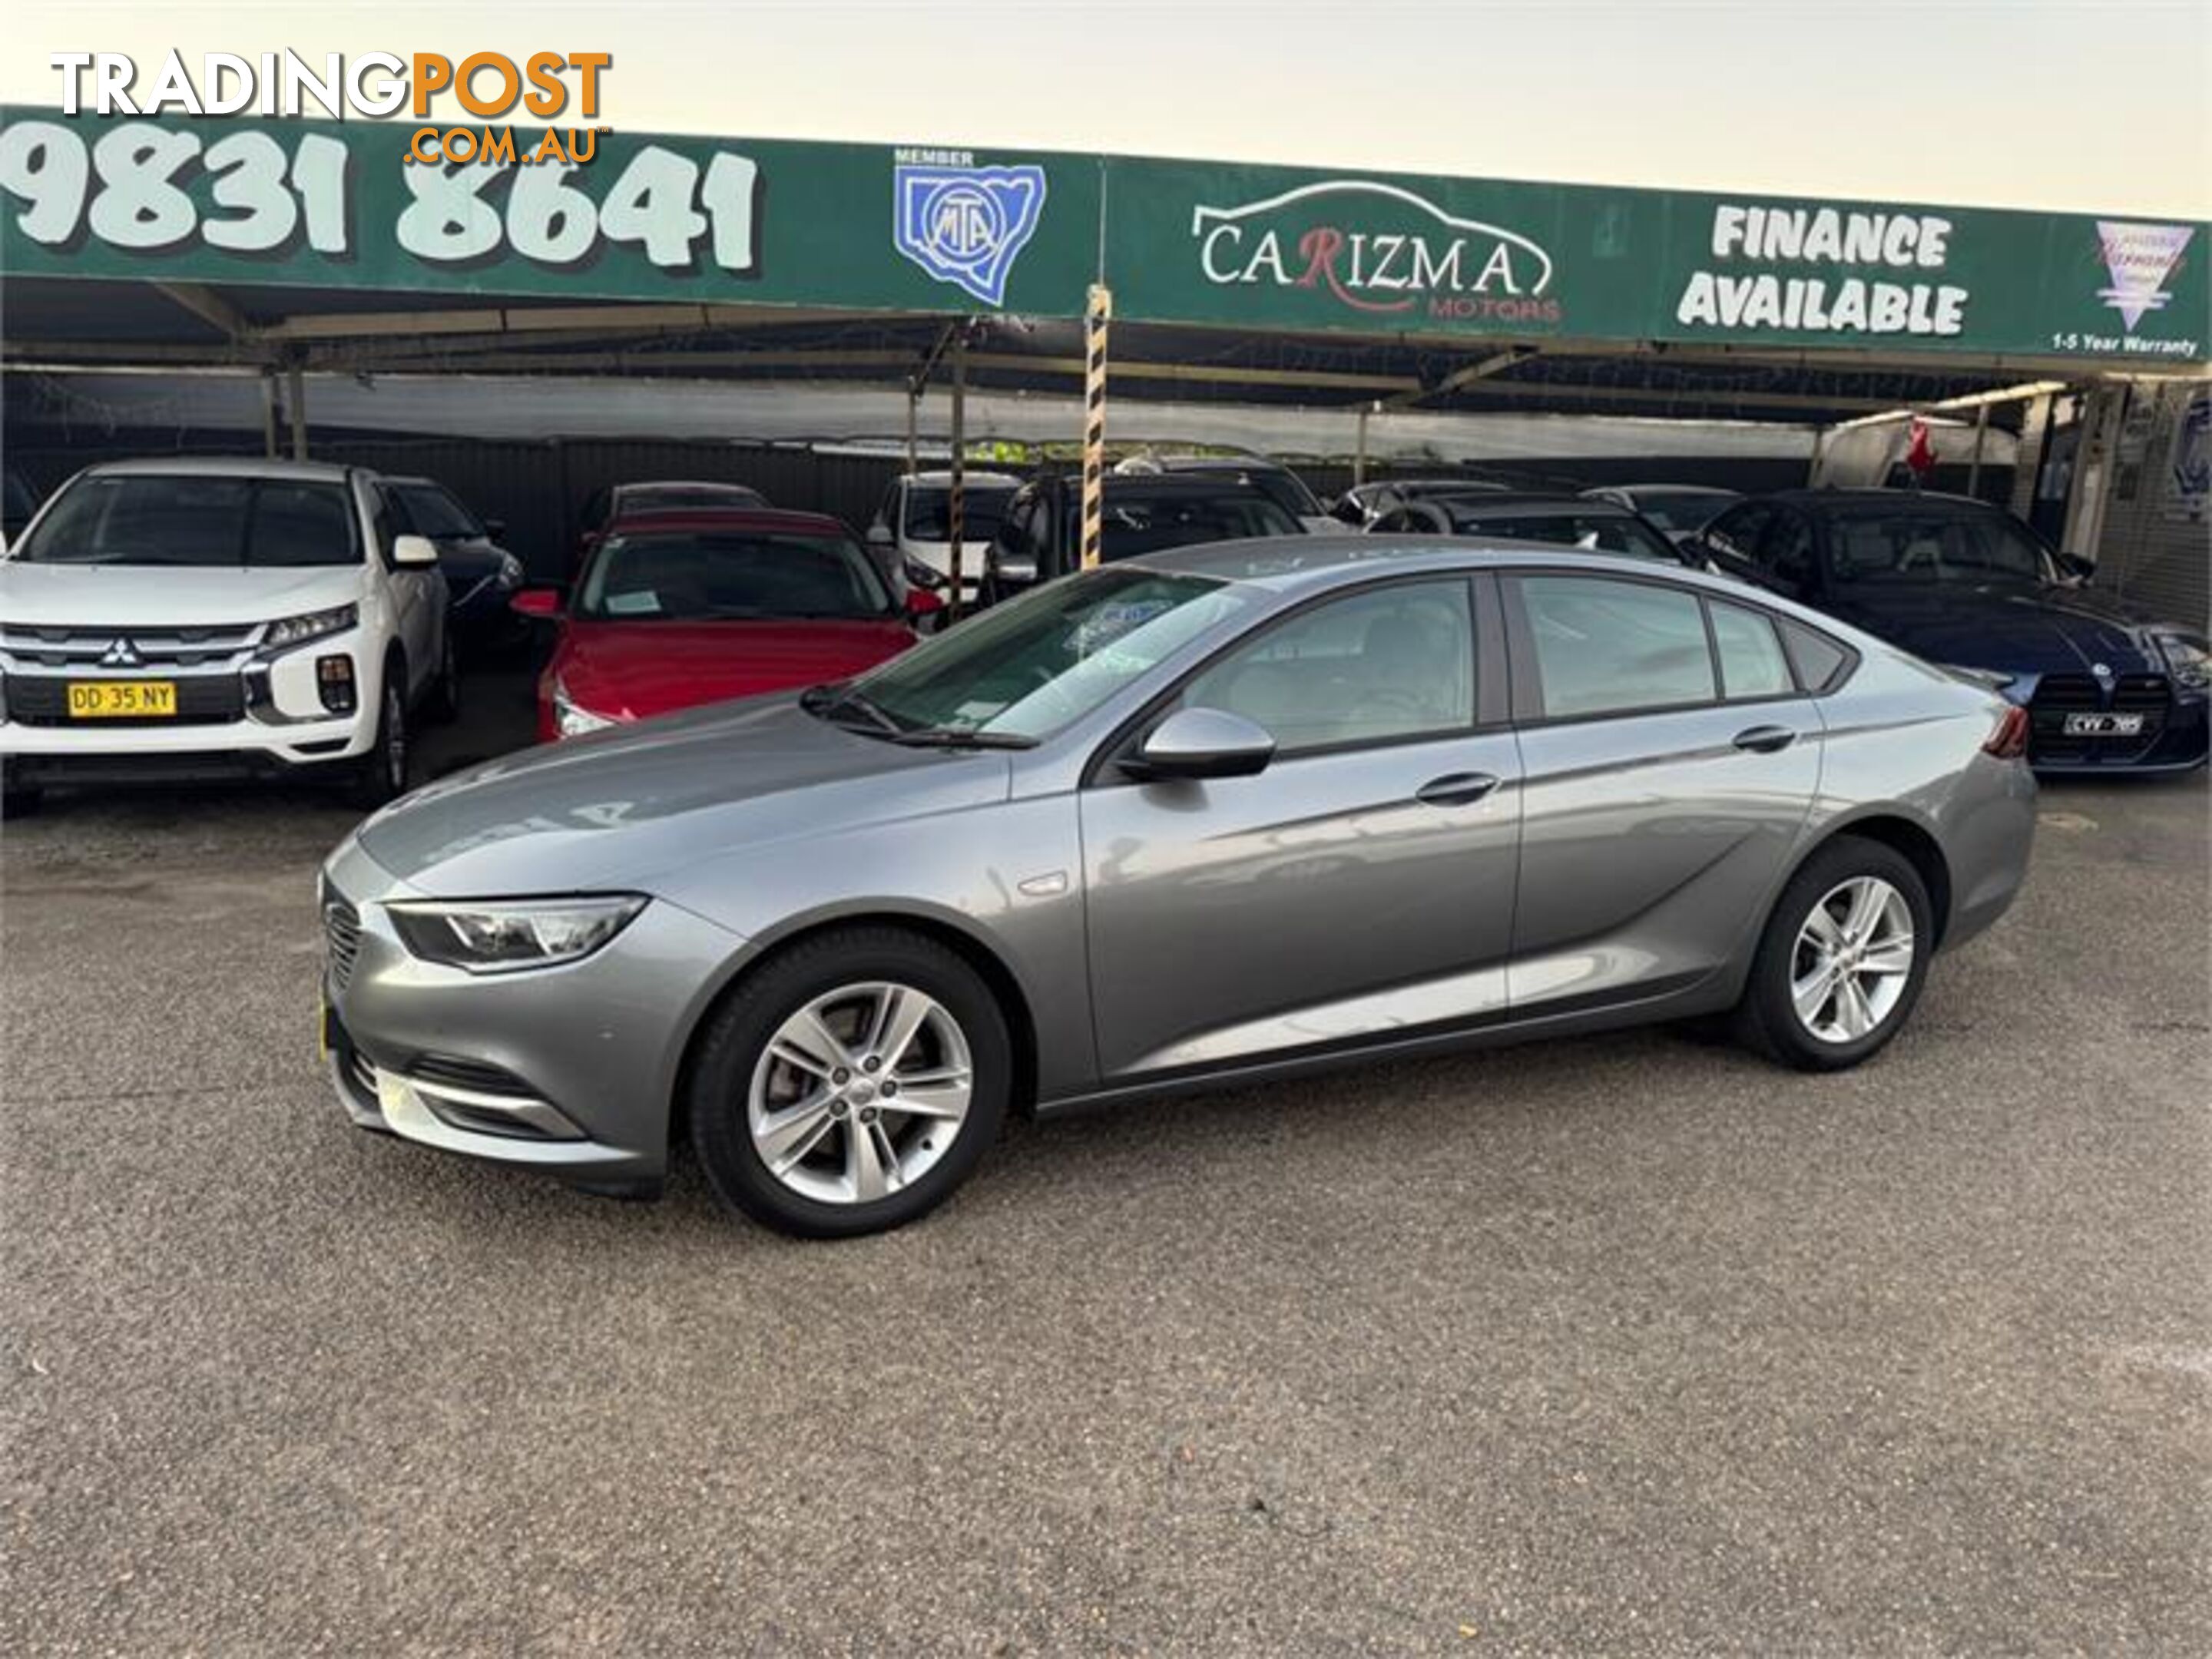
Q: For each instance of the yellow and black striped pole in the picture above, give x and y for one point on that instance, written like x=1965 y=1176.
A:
x=1096 y=316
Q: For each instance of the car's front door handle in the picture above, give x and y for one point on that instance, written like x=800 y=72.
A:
x=1456 y=788
x=1765 y=739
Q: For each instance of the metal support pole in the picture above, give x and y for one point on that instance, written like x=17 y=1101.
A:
x=269 y=413
x=1097 y=315
x=1813 y=466
x=913 y=404
x=956 y=527
x=1981 y=431
x=1360 y=449
x=295 y=396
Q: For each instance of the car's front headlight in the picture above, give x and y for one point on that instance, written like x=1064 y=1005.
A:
x=2188 y=660
x=295 y=630
x=510 y=571
x=503 y=936
x=571 y=719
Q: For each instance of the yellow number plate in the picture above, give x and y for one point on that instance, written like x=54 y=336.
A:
x=95 y=699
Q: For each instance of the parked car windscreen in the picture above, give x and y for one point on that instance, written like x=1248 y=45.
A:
x=731 y=576
x=156 y=519
x=1684 y=510
x=1142 y=523
x=929 y=512
x=436 y=515
x=1030 y=666
x=1596 y=532
x=1904 y=546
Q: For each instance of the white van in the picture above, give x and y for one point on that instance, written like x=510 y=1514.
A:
x=218 y=618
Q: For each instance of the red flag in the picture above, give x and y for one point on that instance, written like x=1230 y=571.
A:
x=1920 y=455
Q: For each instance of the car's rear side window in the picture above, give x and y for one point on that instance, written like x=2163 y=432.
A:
x=1751 y=662
x=1819 y=660
x=1604 y=646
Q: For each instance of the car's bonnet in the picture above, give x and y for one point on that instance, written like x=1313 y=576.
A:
x=2012 y=629
x=612 y=810
x=163 y=596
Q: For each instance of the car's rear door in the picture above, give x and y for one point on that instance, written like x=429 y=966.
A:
x=1670 y=764
x=1360 y=887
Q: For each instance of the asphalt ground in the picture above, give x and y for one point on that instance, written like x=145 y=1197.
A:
x=1626 y=1344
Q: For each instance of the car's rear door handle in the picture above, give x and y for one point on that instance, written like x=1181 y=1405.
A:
x=1456 y=788
x=1765 y=739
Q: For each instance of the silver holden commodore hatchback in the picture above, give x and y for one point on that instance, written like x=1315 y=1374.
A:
x=1217 y=813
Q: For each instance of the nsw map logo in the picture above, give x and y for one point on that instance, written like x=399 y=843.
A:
x=962 y=223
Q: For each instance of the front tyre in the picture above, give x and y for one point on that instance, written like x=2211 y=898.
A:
x=1843 y=958
x=383 y=770
x=850 y=1083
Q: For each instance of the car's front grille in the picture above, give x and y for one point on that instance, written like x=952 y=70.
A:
x=86 y=647
x=341 y=939
x=2059 y=695
x=202 y=700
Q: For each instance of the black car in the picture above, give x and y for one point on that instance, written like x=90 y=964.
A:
x=1680 y=510
x=2108 y=686
x=1041 y=536
x=1360 y=506
x=1565 y=521
x=1271 y=478
x=603 y=506
x=481 y=575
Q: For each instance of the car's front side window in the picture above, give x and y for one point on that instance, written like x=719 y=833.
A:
x=1608 y=647
x=1382 y=665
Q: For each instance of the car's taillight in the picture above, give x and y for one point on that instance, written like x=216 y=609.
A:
x=2009 y=740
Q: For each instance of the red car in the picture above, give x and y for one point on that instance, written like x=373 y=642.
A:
x=678 y=609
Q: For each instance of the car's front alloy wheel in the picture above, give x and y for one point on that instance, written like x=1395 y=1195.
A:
x=850 y=1083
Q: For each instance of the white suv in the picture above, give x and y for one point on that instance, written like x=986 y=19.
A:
x=914 y=521
x=180 y=618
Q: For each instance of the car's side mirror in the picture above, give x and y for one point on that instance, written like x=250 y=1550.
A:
x=879 y=534
x=2075 y=567
x=414 y=552
x=494 y=530
x=1203 y=743
x=543 y=603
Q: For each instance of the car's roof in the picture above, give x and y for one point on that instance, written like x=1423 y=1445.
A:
x=1532 y=506
x=1432 y=486
x=728 y=518
x=969 y=479
x=1670 y=490
x=1880 y=499
x=226 y=466
x=1215 y=463
x=721 y=485
x=1289 y=563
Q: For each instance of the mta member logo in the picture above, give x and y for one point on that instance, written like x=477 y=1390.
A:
x=963 y=224
x=2140 y=258
x=1377 y=250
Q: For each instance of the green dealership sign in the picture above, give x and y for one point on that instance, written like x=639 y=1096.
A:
x=590 y=215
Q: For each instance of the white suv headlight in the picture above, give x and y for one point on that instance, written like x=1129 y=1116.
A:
x=296 y=631
x=501 y=938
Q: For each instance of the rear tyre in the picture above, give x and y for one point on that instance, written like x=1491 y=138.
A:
x=849 y=1084
x=16 y=800
x=445 y=696
x=1842 y=961
x=383 y=770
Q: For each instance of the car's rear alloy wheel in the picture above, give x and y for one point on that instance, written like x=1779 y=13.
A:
x=1853 y=957
x=850 y=1083
x=1843 y=958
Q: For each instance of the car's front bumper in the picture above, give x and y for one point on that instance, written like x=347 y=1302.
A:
x=571 y=1070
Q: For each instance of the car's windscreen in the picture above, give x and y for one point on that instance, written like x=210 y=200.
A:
x=1683 y=512
x=674 y=498
x=734 y=575
x=181 y=519
x=929 y=512
x=436 y=515
x=1592 y=532
x=1030 y=666
x=1901 y=547
x=1286 y=489
x=1141 y=523
x=15 y=498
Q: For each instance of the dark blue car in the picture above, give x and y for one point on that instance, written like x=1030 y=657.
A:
x=2109 y=687
x=481 y=575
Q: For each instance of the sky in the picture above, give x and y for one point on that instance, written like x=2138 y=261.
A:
x=2055 y=104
